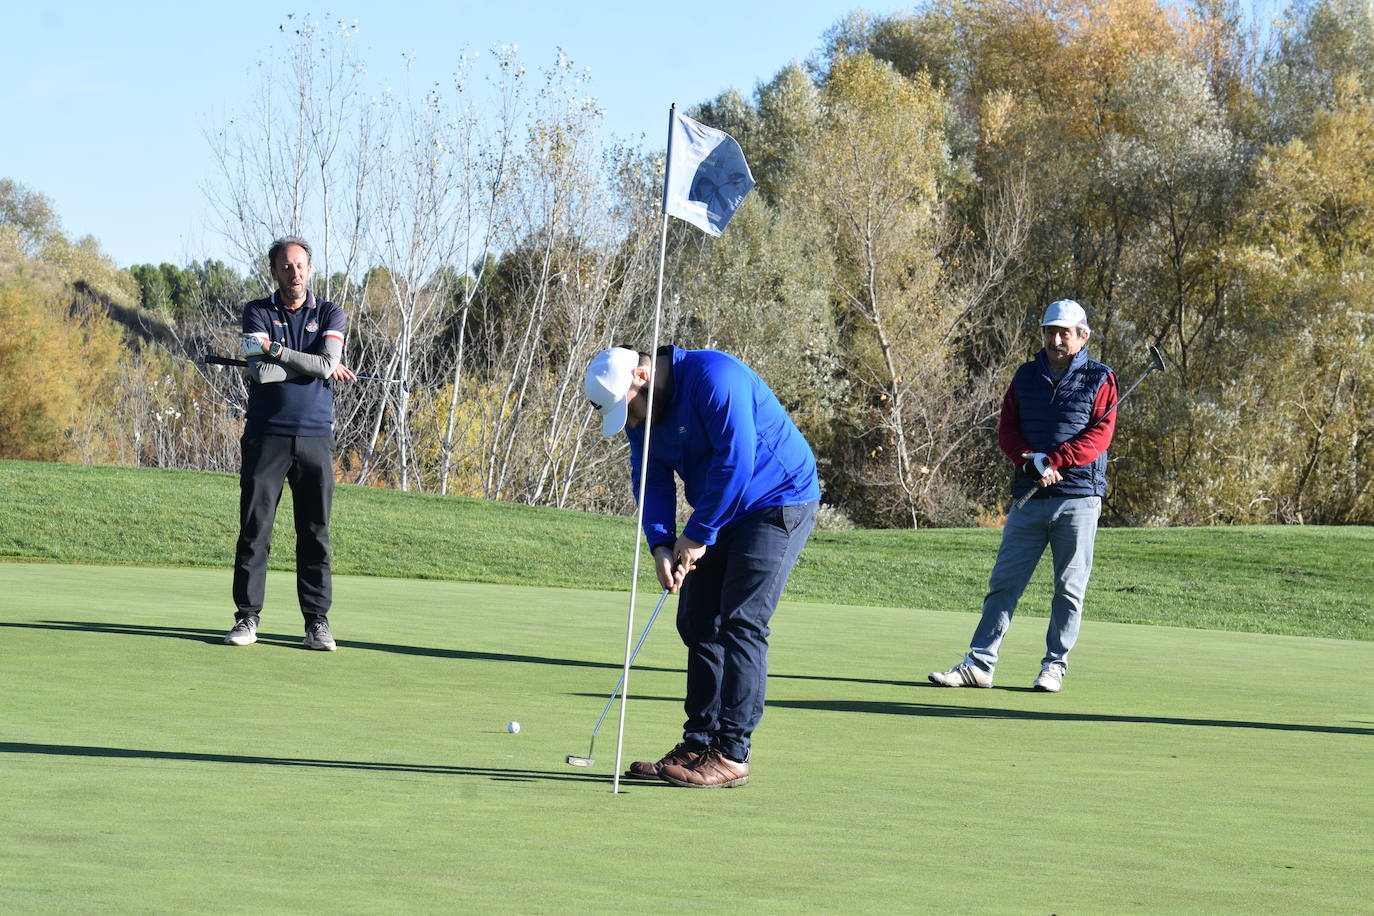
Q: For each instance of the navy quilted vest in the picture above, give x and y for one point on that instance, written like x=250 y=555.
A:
x=1053 y=414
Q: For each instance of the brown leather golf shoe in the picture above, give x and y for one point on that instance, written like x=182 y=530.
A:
x=683 y=755
x=712 y=770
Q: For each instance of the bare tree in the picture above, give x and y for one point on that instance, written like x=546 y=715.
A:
x=484 y=174
x=567 y=283
x=414 y=234
x=298 y=159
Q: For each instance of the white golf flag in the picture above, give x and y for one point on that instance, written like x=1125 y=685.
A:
x=707 y=178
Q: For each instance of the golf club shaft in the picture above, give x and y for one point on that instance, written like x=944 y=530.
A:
x=1108 y=412
x=1025 y=497
x=618 y=684
x=226 y=361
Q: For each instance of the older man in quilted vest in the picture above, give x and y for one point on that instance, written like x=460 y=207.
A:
x=1055 y=428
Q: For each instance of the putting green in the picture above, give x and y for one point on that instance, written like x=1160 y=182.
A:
x=149 y=768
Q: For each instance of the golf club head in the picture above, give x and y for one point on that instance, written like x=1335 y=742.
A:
x=1156 y=358
x=576 y=761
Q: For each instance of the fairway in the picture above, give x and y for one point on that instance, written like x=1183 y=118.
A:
x=150 y=769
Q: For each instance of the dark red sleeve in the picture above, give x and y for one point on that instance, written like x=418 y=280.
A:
x=1009 y=429
x=1086 y=446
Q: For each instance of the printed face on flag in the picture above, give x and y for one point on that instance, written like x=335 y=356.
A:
x=707 y=176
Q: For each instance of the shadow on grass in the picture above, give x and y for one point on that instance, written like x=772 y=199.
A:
x=939 y=710
x=882 y=682
x=125 y=753
x=215 y=637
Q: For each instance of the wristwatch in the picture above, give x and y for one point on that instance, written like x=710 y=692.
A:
x=275 y=349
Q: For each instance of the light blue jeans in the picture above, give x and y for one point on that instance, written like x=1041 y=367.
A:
x=1069 y=526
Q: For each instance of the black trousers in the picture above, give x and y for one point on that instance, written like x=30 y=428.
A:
x=722 y=617
x=307 y=463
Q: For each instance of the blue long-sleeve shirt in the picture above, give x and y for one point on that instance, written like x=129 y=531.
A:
x=725 y=434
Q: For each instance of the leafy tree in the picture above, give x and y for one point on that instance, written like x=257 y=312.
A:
x=58 y=358
x=30 y=215
x=762 y=292
x=1302 y=369
x=1319 y=43
x=871 y=182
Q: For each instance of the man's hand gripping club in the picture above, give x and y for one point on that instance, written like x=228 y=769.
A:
x=1038 y=465
x=674 y=563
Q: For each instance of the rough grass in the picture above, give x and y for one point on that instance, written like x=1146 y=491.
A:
x=1287 y=580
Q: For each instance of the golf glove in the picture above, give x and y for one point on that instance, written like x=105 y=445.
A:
x=250 y=345
x=1038 y=460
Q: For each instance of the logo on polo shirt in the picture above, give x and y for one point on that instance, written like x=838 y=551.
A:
x=313 y=326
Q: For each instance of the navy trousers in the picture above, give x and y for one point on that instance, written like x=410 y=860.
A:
x=307 y=463
x=722 y=617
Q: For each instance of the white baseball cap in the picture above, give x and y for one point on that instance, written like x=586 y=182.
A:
x=1064 y=313
x=607 y=385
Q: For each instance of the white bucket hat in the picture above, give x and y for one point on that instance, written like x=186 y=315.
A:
x=1064 y=313
x=607 y=385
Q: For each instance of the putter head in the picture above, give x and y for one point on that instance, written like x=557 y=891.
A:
x=576 y=761
x=1156 y=358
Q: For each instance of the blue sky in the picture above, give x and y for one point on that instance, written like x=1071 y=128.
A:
x=104 y=106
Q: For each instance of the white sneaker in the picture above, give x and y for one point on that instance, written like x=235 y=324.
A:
x=317 y=635
x=963 y=674
x=244 y=633
x=1051 y=679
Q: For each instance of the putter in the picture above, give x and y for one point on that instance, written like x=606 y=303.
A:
x=211 y=360
x=573 y=759
x=1156 y=362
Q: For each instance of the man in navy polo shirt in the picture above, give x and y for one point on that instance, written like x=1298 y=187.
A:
x=294 y=346
x=750 y=478
x=1052 y=429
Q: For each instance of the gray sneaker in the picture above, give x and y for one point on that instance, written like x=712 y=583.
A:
x=1050 y=680
x=317 y=635
x=244 y=633
x=964 y=674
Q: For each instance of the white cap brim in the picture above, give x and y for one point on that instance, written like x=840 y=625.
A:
x=613 y=418
x=607 y=383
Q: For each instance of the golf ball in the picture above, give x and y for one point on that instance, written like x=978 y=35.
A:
x=513 y=727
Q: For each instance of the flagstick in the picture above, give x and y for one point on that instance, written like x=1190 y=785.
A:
x=644 y=462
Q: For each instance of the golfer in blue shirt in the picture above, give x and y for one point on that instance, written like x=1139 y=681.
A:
x=750 y=478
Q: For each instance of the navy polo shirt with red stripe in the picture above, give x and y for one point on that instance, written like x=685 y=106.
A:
x=300 y=406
